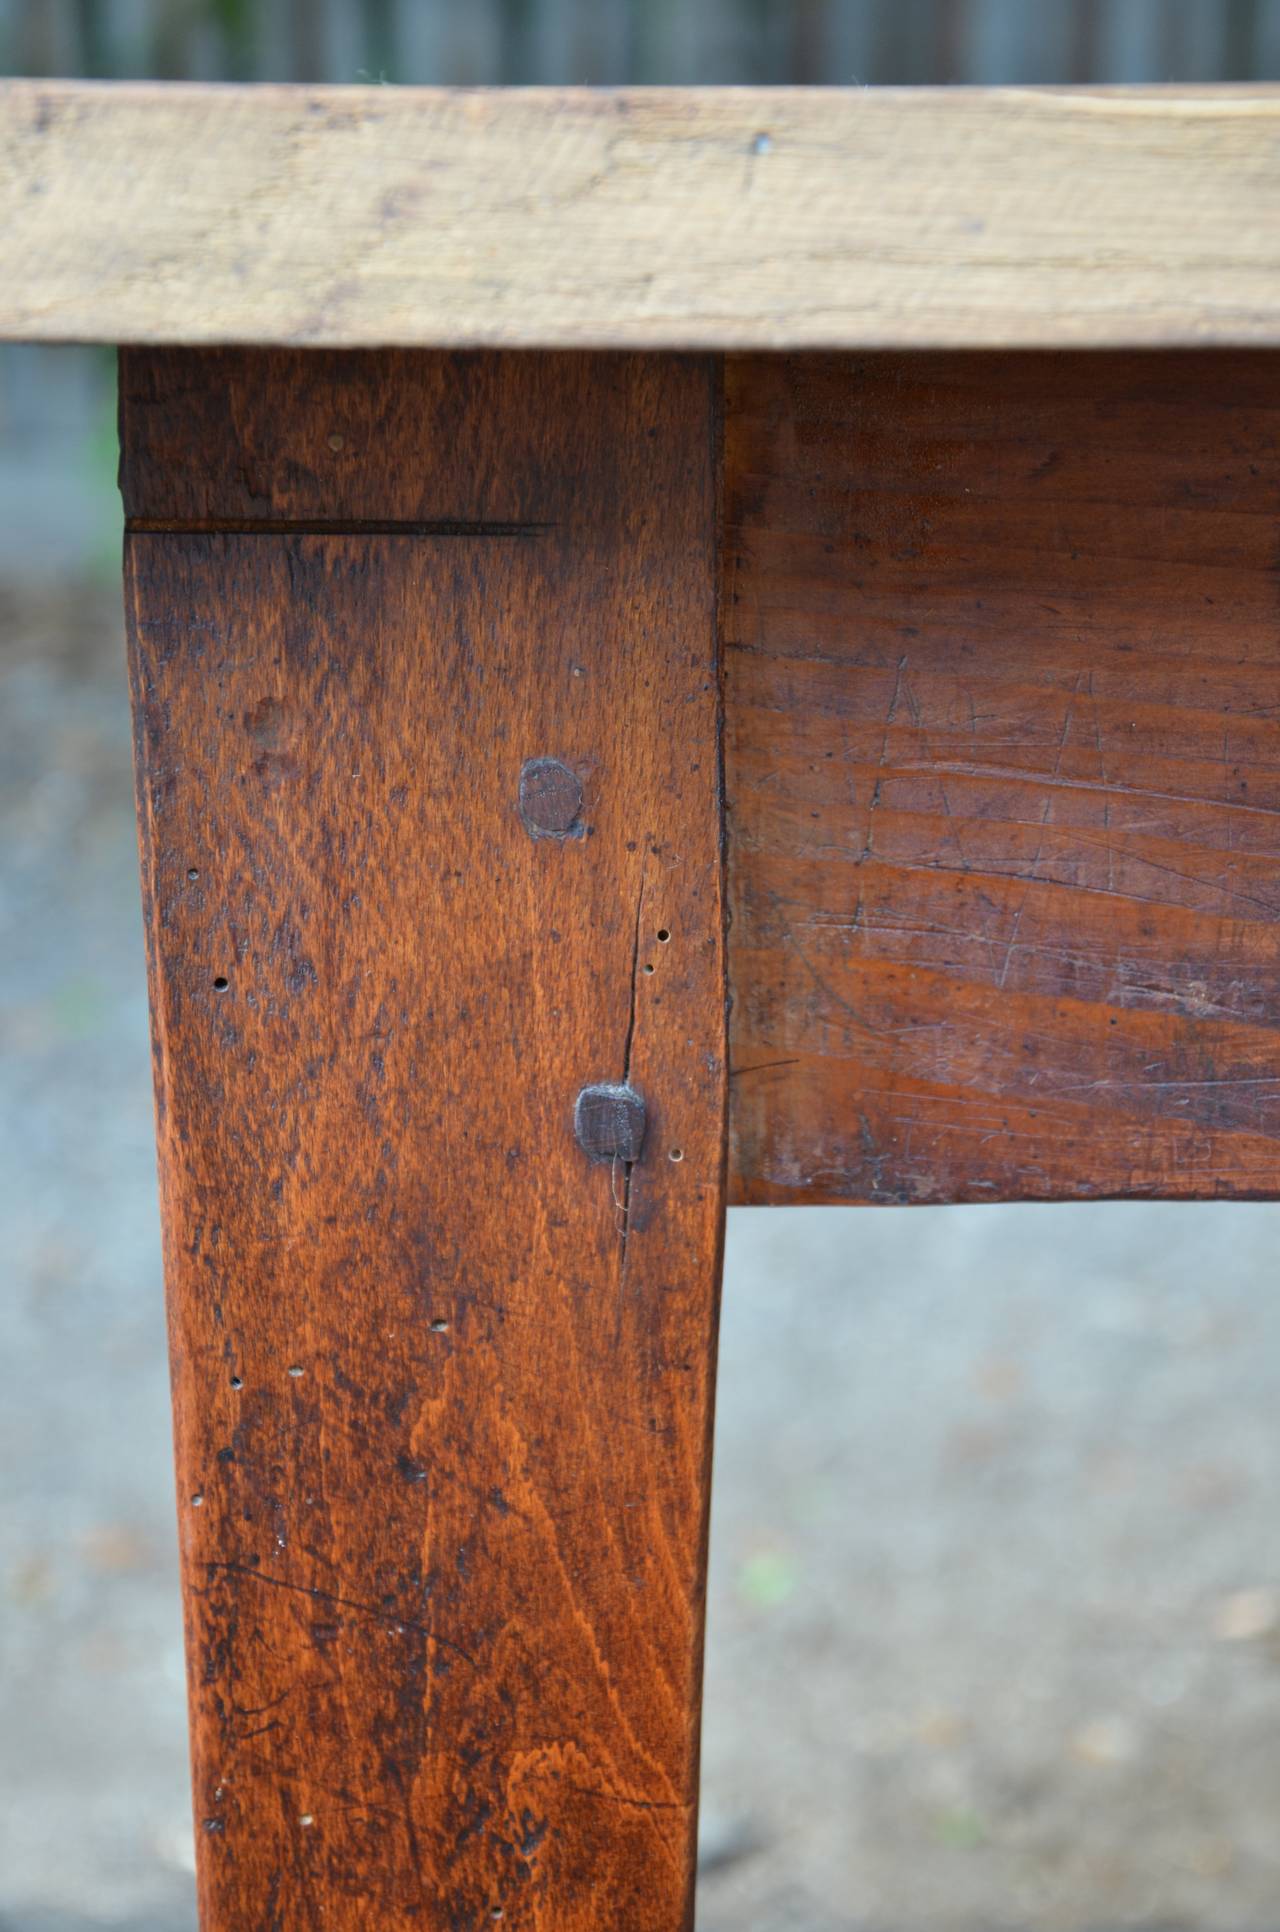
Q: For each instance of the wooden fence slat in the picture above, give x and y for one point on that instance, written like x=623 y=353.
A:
x=721 y=42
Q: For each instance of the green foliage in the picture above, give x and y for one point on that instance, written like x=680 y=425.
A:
x=962 y=1829
x=767 y=1579
x=235 y=22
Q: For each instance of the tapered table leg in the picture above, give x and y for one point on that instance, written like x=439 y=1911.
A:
x=423 y=655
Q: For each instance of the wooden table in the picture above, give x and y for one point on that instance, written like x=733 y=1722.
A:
x=686 y=648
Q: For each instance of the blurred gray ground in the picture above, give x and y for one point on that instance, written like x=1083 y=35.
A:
x=995 y=1599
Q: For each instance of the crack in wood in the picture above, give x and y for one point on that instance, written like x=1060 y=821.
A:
x=324 y=527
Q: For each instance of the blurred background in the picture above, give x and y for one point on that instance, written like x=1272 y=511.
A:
x=994 y=1632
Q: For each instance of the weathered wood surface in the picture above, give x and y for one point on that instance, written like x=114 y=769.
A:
x=1002 y=691
x=713 y=218
x=442 y=1382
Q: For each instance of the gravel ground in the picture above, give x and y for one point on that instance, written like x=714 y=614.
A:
x=995 y=1598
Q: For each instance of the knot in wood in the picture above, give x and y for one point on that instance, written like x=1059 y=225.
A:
x=550 y=799
x=609 y=1121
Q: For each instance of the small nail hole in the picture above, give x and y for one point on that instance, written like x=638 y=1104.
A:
x=236 y=1383
x=648 y=969
x=220 y=983
x=193 y=872
x=676 y=1154
x=439 y=1327
x=306 y=1819
x=663 y=936
x=197 y=1501
x=295 y=1370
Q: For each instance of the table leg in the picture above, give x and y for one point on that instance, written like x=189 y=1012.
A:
x=424 y=671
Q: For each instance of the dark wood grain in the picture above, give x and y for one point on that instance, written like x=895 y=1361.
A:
x=367 y=440
x=1002 y=687
x=443 y=1383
